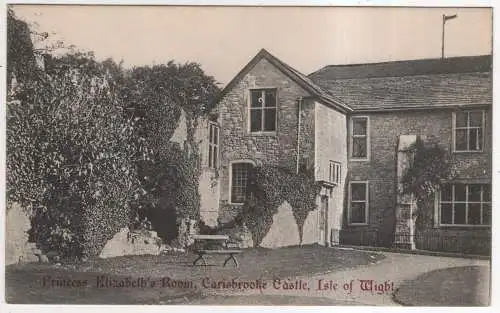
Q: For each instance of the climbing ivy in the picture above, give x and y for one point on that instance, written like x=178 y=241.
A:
x=430 y=165
x=268 y=188
x=157 y=96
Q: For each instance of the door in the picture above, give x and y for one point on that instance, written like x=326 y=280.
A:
x=323 y=221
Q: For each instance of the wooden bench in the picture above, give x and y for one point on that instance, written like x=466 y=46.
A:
x=222 y=241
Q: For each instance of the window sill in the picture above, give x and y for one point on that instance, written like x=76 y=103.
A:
x=266 y=133
x=236 y=204
x=463 y=226
x=468 y=151
x=357 y=224
x=359 y=160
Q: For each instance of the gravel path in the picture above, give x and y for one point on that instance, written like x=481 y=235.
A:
x=371 y=284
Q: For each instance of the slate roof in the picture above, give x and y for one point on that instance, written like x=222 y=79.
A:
x=414 y=84
x=301 y=79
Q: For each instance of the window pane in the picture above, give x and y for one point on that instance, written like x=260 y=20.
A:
x=461 y=139
x=337 y=172
x=475 y=119
x=475 y=193
x=255 y=120
x=486 y=193
x=461 y=119
x=446 y=213
x=256 y=98
x=239 y=182
x=358 y=212
x=270 y=98
x=474 y=214
x=358 y=191
x=211 y=136
x=446 y=192
x=359 y=126
x=460 y=192
x=479 y=139
x=473 y=139
x=210 y=156
x=487 y=214
x=359 y=147
x=270 y=119
x=459 y=213
x=216 y=135
x=215 y=156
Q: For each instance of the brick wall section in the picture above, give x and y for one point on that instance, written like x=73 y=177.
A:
x=380 y=170
x=236 y=141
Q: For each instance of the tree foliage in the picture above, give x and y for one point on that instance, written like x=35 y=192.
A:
x=87 y=140
x=157 y=96
x=21 y=60
x=70 y=150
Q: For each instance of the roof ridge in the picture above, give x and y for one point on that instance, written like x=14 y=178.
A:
x=400 y=76
x=407 y=60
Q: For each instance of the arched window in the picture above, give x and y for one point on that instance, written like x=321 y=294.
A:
x=238 y=183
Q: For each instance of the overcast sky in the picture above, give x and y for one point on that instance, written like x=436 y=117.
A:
x=224 y=39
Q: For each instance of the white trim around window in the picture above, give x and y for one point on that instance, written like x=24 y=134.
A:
x=474 y=198
x=231 y=163
x=365 y=201
x=334 y=172
x=213 y=145
x=352 y=136
x=263 y=110
x=469 y=129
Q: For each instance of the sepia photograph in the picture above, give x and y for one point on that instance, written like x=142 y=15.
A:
x=248 y=155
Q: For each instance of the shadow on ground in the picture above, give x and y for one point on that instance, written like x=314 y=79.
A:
x=456 y=286
x=78 y=283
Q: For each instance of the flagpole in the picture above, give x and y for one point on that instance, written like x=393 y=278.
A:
x=442 y=39
x=445 y=18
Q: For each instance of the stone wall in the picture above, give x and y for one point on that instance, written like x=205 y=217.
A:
x=380 y=170
x=237 y=143
x=17 y=247
x=284 y=230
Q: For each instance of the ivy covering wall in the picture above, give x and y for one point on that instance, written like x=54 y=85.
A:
x=429 y=167
x=268 y=188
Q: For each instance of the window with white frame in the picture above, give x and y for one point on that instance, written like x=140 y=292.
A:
x=468 y=130
x=465 y=204
x=239 y=181
x=358 y=202
x=213 y=145
x=334 y=171
x=263 y=109
x=359 y=137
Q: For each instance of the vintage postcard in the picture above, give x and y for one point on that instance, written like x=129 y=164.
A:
x=248 y=155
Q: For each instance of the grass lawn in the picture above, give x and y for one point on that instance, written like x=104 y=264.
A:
x=457 y=286
x=78 y=283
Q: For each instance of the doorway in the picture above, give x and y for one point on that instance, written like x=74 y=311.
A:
x=323 y=221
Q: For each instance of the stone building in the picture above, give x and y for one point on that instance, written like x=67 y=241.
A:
x=351 y=122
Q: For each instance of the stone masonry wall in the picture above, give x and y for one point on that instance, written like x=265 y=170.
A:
x=237 y=143
x=380 y=170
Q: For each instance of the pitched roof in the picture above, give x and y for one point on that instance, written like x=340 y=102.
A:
x=299 y=78
x=430 y=83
